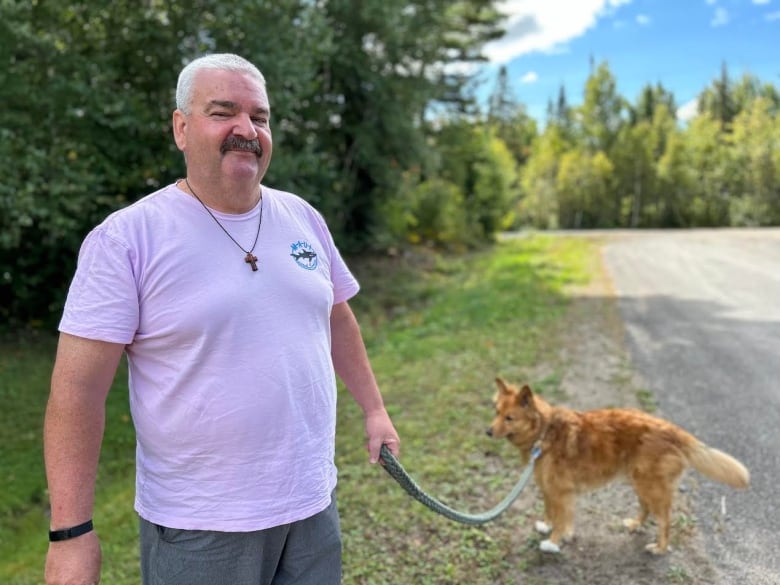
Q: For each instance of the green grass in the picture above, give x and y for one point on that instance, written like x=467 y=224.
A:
x=438 y=330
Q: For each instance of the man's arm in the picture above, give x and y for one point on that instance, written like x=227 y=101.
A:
x=353 y=367
x=72 y=435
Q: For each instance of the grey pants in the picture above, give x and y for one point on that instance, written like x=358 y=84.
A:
x=307 y=552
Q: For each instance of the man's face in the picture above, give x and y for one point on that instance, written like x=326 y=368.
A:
x=227 y=134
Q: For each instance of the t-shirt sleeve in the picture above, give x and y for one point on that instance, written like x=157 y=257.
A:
x=102 y=301
x=345 y=285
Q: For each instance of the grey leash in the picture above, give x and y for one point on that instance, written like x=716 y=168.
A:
x=396 y=470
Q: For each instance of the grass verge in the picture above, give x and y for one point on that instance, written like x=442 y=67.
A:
x=438 y=330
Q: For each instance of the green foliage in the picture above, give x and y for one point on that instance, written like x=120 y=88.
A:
x=720 y=169
x=481 y=166
x=438 y=213
x=755 y=165
x=584 y=185
x=25 y=369
x=602 y=113
x=650 y=100
x=386 y=66
x=81 y=128
x=495 y=189
x=508 y=119
x=540 y=206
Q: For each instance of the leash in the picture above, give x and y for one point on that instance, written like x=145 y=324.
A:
x=398 y=473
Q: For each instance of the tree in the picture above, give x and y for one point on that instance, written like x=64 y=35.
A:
x=718 y=100
x=676 y=182
x=481 y=166
x=387 y=64
x=583 y=184
x=495 y=189
x=602 y=111
x=83 y=133
x=638 y=150
x=540 y=206
x=709 y=190
x=755 y=166
x=510 y=122
x=561 y=114
x=650 y=99
x=635 y=170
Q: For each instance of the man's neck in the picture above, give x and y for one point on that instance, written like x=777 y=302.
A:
x=227 y=197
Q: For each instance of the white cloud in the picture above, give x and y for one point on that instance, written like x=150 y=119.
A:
x=772 y=16
x=712 y=2
x=759 y=2
x=721 y=17
x=688 y=110
x=545 y=25
x=530 y=77
x=642 y=19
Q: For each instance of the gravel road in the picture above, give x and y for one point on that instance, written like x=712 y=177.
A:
x=702 y=316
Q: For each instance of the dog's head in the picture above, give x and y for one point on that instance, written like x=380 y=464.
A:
x=517 y=416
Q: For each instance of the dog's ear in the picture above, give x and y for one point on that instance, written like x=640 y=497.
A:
x=526 y=396
x=503 y=387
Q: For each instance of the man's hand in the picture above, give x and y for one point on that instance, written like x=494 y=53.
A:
x=74 y=562
x=380 y=430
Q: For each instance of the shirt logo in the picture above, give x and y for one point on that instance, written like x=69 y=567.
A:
x=304 y=255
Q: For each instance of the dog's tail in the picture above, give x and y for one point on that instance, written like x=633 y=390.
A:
x=717 y=465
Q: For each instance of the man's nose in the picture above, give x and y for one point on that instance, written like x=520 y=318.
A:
x=245 y=127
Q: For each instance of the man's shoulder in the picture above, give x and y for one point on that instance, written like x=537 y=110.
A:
x=280 y=195
x=158 y=201
x=290 y=202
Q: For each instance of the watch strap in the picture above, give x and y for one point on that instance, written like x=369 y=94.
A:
x=72 y=532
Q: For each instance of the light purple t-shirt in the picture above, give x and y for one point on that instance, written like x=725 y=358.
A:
x=232 y=387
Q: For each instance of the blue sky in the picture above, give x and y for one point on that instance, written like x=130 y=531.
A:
x=679 y=43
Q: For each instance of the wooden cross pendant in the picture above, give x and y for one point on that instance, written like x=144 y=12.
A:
x=251 y=259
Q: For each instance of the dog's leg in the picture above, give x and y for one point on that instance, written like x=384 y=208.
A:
x=656 y=493
x=561 y=512
x=661 y=508
x=545 y=526
x=633 y=524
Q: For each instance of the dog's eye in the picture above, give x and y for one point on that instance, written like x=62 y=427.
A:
x=509 y=418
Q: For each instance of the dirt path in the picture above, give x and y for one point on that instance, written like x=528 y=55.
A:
x=598 y=374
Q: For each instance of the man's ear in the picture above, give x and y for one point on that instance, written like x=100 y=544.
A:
x=179 y=124
x=526 y=397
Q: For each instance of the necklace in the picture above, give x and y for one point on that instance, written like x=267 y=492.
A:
x=250 y=258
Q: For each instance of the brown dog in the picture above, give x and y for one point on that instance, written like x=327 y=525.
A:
x=581 y=451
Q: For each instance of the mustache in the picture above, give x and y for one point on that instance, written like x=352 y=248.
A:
x=238 y=143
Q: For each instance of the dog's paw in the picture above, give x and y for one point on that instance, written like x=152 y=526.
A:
x=549 y=547
x=654 y=549
x=632 y=524
x=542 y=527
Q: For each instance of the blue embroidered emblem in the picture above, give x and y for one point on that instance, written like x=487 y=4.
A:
x=304 y=255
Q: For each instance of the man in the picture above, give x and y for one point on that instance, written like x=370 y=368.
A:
x=230 y=300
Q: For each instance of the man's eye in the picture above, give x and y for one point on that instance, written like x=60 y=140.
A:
x=260 y=121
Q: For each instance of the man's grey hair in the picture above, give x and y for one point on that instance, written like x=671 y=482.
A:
x=219 y=61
